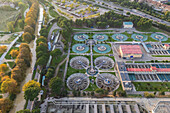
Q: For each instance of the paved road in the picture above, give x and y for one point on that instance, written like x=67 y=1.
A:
x=134 y=12
x=54 y=27
x=58 y=67
x=26 y=12
x=9 y=47
x=66 y=66
x=121 y=30
x=56 y=9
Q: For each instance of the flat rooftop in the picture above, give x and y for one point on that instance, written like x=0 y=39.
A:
x=131 y=49
x=127 y=23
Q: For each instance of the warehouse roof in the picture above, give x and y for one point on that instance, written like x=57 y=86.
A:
x=131 y=49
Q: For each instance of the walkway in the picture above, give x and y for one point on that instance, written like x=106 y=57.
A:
x=54 y=27
x=20 y=101
x=66 y=66
x=9 y=47
x=58 y=67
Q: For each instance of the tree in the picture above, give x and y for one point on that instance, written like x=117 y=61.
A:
x=41 y=48
x=122 y=93
x=92 y=93
x=14 y=53
x=3 y=49
x=149 y=95
x=63 y=1
x=162 y=93
x=36 y=111
x=39 y=54
x=17 y=74
x=101 y=24
x=167 y=14
x=21 y=64
x=30 y=21
x=31 y=90
x=4 y=78
x=9 y=85
x=128 y=13
x=71 y=6
x=29 y=29
x=27 y=37
x=5 y=105
x=24 y=111
x=50 y=73
x=144 y=23
x=55 y=52
x=84 y=3
x=21 y=23
x=41 y=39
x=2 y=74
x=42 y=60
x=44 y=32
x=10 y=26
x=43 y=44
x=100 y=91
x=56 y=84
x=3 y=68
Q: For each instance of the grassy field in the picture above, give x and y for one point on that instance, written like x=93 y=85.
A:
x=160 y=55
x=8 y=54
x=6 y=16
x=154 y=29
x=11 y=64
x=9 y=40
x=152 y=86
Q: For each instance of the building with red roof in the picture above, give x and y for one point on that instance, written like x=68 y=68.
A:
x=130 y=51
x=166 y=46
x=149 y=69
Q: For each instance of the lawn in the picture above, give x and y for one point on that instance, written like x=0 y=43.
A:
x=8 y=54
x=139 y=61
x=71 y=71
x=6 y=16
x=56 y=61
x=61 y=70
x=160 y=55
x=9 y=40
x=92 y=87
x=153 y=29
x=11 y=64
x=152 y=86
x=1 y=54
x=168 y=41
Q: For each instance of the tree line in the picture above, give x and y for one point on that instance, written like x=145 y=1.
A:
x=114 y=20
x=30 y=21
x=10 y=84
x=143 y=7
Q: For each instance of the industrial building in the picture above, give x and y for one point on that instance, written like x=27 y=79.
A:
x=130 y=51
x=127 y=24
